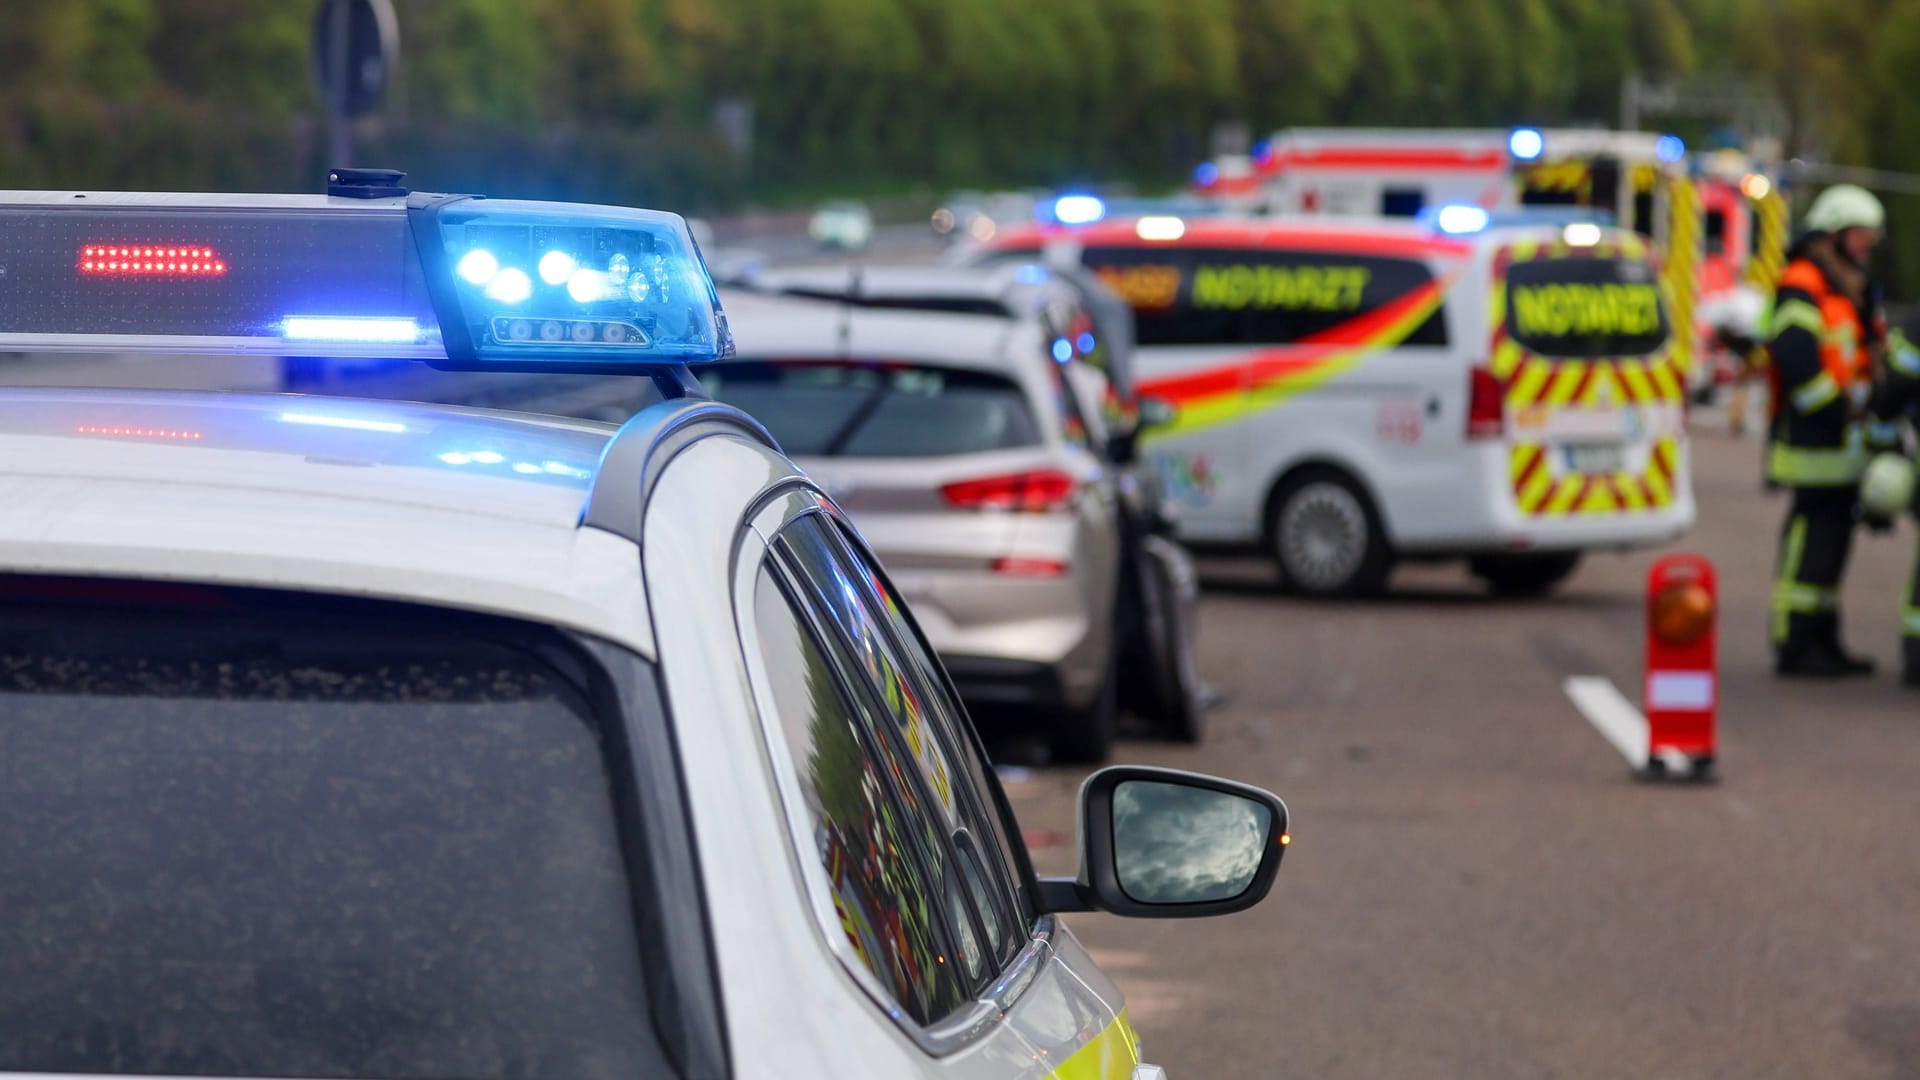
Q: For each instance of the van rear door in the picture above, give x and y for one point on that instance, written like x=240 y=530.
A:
x=1582 y=343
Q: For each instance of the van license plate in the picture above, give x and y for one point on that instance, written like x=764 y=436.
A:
x=1595 y=457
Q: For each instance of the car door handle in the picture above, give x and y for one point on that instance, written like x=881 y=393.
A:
x=1433 y=407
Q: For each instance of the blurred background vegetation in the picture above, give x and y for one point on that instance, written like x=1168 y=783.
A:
x=615 y=99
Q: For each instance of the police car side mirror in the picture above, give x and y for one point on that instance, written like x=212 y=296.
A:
x=1161 y=843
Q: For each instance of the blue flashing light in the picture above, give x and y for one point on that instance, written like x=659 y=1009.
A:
x=556 y=267
x=527 y=468
x=352 y=423
x=477 y=267
x=1085 y=341
x=1206 y=174
x=1062 y=350
x=1460 y=219
x=1263 y=153
x=1078 y=209
x=1669 y=148
x=398 y=331
x=467 y=284
x=510 y=286
x=586 y=286
x=487 y=457
x=596 y=284
x=1031 y=274
x=1526 y=144
x=455 y=457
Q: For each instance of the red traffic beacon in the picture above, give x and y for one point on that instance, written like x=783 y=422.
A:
x=1682 y=691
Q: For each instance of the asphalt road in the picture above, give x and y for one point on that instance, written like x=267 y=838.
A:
x=1477 y=887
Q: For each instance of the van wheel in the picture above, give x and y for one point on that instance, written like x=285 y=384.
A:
x=1525 y=575
x=1327 y=538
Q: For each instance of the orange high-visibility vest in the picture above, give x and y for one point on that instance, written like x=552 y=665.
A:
x=1842 y=350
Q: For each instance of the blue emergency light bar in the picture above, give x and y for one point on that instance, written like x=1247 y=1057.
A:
x=463 y=283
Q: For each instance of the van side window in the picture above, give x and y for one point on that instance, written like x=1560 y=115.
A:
x=1248 y=296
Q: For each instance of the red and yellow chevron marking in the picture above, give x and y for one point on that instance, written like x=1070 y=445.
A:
x=1538 y=493
x=1536 y=382
x=1682 y=271
x=1264 y=378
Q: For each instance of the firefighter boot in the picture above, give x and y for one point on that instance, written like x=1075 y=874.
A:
x=1811 y=650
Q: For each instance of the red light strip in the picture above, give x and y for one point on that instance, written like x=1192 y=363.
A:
x=138 y=432
x=127 y=260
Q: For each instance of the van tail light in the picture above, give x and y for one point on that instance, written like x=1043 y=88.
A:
x=1027 y=492
x=1019 y=566
x=1486 y=405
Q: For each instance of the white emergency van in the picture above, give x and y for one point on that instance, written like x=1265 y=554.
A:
x=1352 y=392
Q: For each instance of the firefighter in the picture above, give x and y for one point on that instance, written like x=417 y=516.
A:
x=1888 y=490
x=1823 y=330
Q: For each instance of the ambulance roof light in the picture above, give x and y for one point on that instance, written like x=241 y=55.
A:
x=1460 y=219
x=1161 y=227
x=1669 y=148
x=1526 y=143
x=1078 y=209
x=1581 y=234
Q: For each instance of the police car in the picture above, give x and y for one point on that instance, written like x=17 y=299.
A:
x=365 y=739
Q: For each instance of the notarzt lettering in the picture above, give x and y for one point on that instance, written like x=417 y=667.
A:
x=1578 y=310
x=1317 y=288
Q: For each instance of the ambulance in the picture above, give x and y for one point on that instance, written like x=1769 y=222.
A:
x=1348 y=393
x=1719 y=217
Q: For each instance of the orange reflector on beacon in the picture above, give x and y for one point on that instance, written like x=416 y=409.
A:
x=1682 y=691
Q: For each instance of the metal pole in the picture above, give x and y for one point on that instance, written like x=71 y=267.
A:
x=339 y=137
x=1630 y=102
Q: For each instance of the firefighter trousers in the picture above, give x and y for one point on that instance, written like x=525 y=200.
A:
x=1814 y=546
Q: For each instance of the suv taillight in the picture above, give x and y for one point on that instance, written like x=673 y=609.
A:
x=1029 y=492
x=1486 y=405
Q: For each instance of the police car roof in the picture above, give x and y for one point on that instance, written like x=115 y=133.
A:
x=785 y=327
x=435 y=504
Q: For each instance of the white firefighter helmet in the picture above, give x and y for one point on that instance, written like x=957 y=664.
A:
x=1886 y=488
x=1846 y=206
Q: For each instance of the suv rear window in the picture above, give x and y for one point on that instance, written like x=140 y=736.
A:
x=876 y=408
x=279 y=837
x=1235 y=296
x=1585 y=307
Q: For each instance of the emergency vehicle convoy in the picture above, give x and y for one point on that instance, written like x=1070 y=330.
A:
x=366 y=739
x=1719 y=219
x=1349 y=392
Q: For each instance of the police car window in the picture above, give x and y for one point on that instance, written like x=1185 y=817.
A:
x=926 y=719
x=1253 y=296
x=866 y=838
x=1585 y=307
x=306 y=840
x=876 y=409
